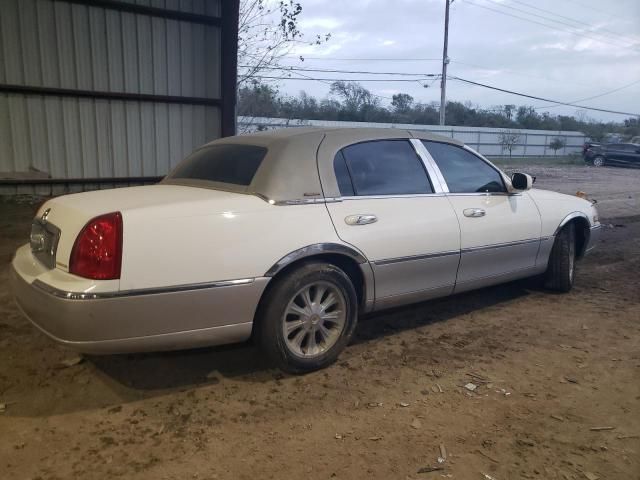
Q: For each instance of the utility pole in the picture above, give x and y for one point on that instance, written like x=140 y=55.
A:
x=445 y=62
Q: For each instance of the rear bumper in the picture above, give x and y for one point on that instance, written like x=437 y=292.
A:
x=143 y=320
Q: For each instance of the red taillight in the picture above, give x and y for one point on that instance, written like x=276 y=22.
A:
x=97 y=252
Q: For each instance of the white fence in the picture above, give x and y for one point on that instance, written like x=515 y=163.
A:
x=530 y=143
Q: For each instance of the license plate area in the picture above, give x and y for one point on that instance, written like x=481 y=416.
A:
x=44 y=242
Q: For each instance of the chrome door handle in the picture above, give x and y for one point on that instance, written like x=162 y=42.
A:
x=474 y=212
x=360 y=219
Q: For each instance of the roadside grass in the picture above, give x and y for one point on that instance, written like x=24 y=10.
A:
x=569 y=160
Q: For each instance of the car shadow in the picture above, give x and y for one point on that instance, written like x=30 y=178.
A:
x=244 y=362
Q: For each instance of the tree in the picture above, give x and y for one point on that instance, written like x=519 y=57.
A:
x=402 y=102
x=258 y=100
x=509 y=111
x=358 y=102
x=267 y=31
x=556 y=144
x=508 y=140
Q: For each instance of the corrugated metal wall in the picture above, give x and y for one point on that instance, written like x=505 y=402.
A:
x=68 y=45
x=486 y=140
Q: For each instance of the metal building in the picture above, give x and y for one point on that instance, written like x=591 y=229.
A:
x=98 y=92
x=486 y=140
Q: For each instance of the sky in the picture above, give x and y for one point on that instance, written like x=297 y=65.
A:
x=591 y=48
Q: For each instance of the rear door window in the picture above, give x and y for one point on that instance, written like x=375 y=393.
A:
x=381 y=167
x=234 y=164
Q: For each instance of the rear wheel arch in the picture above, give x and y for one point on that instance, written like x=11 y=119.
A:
x=352 y=262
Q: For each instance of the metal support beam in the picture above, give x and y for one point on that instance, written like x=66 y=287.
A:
x=152 y=11
x=76 y=181
x=135 y=97
x=230 y=19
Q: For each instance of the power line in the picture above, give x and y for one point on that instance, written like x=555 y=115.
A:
x=543 y=99
x=339 y=59
x=552 y=27
x=329 y=83
x=520 y=74
x=601 y=12
x=561 y=22
x=595 y=96
x=269 y=77
x=579 y=22
x=323 y=70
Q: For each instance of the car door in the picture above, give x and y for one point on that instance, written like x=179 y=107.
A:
x=500 y=232
x=399 y=218
x=629 y=155
x=615 y=154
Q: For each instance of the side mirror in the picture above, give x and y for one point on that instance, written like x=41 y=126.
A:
x=522 y=181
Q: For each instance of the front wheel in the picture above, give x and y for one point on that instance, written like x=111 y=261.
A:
x=307 y=318
x=598 y=161
x=562 y=261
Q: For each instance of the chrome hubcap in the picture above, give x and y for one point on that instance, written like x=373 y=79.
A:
x=314 y=319
x=598 y=162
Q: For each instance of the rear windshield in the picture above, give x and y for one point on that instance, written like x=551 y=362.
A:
x=235 y=164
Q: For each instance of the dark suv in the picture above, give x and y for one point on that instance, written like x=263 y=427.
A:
x=614 y=154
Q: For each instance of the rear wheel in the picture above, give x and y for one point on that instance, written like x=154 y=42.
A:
x=307 y=318
x=562 y=261
x=598 y=161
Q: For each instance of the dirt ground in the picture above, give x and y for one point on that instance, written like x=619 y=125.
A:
x=557 y=376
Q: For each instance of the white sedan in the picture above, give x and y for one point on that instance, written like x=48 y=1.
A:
x=287 y=237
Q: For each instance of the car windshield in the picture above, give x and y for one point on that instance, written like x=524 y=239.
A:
x=228 y=163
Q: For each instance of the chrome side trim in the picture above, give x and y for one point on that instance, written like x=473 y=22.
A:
x=298 y=201
x=132 y=293
x=502 y=245
x=439 y=183
x=315 y=249
x=485 y=194
x=305 y=201
x=570 y=217
x=389 y=261
x=374 y=197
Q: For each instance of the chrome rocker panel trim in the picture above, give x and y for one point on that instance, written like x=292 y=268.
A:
x=214 y=314
x=142 y=291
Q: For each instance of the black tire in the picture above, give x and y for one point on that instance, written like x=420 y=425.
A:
x=271 y=319
x=560 y=272
x=598 y=161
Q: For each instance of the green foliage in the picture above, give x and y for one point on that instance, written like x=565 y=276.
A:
x=350 y=101
x=508 y=139
x=556 y=144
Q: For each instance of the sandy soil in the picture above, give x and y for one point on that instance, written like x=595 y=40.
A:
x=550 y=370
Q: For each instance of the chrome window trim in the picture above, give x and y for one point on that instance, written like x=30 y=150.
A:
x=437 y=179
x=485 y=194
x=373 y=197
x=67 y=295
